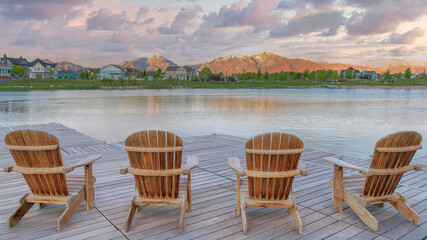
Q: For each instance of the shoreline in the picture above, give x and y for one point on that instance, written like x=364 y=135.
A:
x=26 y=89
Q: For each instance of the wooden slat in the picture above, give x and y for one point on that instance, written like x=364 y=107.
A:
x=153 y=149
x=30 y=148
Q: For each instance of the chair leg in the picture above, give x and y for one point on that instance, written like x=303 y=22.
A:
x=181 y=221
x=338 y=188
x=406 y=211
x=361 y=211
x=238 y=193
x=189 y=193
x=297 y=219
x=89 y=191
x=73 y=204
x=22 y=209
x=243 y=213
x=132 y=209
x=380 y=204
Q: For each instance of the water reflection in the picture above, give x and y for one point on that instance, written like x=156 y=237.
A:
x=346 y=121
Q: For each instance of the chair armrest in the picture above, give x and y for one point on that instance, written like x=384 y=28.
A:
x=86 y=161
x=192 y=162
x=8 y=169
x=347 y=165
x=417 y=167
x=124 y=168
x=301 y=167
x=234 y=163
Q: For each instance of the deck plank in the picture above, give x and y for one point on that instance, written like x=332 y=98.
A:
x=213 y=213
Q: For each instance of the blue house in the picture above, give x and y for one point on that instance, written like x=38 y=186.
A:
x=66 y=74
x=368 y=74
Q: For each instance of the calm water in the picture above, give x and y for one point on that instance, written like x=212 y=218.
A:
x=345 y=121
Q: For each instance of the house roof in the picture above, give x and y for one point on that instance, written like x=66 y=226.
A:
x=17 y=61
x=351 y=69
x=171 y=69
x=188 y=68
x=122 y=68
x=43 y=63
x=92 y=70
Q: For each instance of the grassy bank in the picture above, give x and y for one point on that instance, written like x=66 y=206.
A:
x=82 y=84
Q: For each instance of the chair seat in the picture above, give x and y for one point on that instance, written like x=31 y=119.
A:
x=75 y=183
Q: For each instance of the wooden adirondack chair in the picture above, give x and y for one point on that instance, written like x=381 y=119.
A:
x=38 y=157
x=272 y=161
x=390 y=160
x=155 y=162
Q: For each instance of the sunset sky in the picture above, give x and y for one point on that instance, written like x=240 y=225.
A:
x=96 y=32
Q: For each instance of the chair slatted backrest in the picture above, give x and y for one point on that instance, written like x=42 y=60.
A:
x=276 y=189
x=393 y=151
x=41 y=151
x=155 y=150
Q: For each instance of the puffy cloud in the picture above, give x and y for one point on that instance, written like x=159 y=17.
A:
x=258 y=13
x=104 y=19
x=182 y=20
x=383 y=16
x=405 y=52
x=406 y=38
x=305 y=5
x=38 y=10
x=326 y=21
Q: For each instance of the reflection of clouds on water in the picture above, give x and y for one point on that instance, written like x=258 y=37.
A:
x=335 y=120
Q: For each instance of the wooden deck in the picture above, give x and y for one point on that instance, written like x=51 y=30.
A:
x=213 y=213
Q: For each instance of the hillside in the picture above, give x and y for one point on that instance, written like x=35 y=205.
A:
x=271 y=63
x=149 y=64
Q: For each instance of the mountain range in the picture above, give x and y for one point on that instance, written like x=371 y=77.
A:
x=265 y=61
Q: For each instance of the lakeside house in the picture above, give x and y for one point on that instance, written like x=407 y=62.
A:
x=67 y=74
x=5 y=68
x=352 y=70
x=368 y=75
x=112 y=71
x=131 y=73
x=41 y=69
x=21 y=62
x=180 y=73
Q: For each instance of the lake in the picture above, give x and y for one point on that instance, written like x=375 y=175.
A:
x=344 y=121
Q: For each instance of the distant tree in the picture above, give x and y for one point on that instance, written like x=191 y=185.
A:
x=354 y=75
x=18 y=71
x=342 y=74
x=348 y=74
x=408 y=73
x=336 y=75
x=95 y=74
x=330 y=74
x=141 y=74
x=221 y=74
x=259 y=74
x=321 y=75
x=84 y=74
x=266 y=75
x=205 y=74
x=305 y=73
x=424 y=75
x=387 y=75
x=398 y=75
x=312 y=75
x=159 y=70
x=51 y=72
